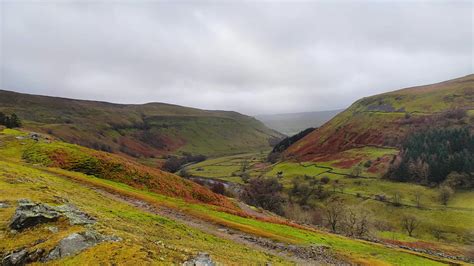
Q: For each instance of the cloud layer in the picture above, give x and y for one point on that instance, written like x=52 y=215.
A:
x=253 y=57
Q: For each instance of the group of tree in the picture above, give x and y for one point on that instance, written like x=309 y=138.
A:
x=429 y=157
x=306 y=188
x=265 y=193
x=10 y=121
x=275 y=154
x=340 y=219
x=174 y=163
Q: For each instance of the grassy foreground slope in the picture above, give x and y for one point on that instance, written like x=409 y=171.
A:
x=146 y=130
x=149 y=238
x=386 y=119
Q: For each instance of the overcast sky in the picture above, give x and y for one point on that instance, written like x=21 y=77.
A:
x=252 y=57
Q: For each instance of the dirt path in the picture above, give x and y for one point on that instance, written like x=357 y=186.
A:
x=301 y=255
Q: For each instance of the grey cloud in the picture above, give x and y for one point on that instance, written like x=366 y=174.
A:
x=253 y=57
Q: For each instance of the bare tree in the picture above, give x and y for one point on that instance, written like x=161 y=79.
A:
x=397 y=199
x=445 y=194
x=410 y=223
x=334 y=213
x=356 y=223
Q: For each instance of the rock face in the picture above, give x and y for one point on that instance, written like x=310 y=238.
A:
x=77 y=242
x=202 y=259
x=29 y=214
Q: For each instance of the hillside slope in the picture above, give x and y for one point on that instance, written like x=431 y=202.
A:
x=106 y=222
x=387 y=119
x=292 y=123
x=146 y=130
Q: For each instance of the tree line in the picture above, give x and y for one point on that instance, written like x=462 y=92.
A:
x=432 y=156
x=10 y=121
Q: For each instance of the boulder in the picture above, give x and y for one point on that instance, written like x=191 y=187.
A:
x=29 y=214
x=77 y=242
x=202 y=259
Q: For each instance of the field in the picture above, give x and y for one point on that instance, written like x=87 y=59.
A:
x=456 y=220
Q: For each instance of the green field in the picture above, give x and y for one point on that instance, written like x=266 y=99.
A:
x=456 y=220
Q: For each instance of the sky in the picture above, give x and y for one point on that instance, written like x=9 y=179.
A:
x=255 y=57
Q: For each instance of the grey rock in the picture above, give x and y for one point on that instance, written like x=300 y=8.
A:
x=29 y=214
x=77 y=242
x=4 y=205
x=75 y=216
x=202 y=259
x=15 y=258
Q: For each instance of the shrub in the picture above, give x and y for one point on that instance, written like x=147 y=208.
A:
x=325 y=179
x=264 y=193
x=218 y=188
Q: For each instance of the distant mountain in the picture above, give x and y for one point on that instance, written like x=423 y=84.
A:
x=146 y=130
x=292 y=123
x=388 y=119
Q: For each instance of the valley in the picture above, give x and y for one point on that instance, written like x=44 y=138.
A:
x=331 y=195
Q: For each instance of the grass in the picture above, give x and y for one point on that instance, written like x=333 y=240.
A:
x=142 y=231
x=455 y=220
x=228 y=168
x=109 y=166
x=147 y=238
x=357 y=250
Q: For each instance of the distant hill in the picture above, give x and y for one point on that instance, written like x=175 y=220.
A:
x=146 y=130
x=292 y=123
x=387 y=119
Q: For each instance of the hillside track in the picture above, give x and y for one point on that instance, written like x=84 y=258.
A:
x=300 y=255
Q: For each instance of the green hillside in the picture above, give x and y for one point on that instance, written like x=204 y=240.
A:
x=148 y=130
x=387 y=119
x=117 y=223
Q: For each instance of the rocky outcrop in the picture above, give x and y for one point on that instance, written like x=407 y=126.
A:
x=77 y=242
x=202 y=259
x=29 y=214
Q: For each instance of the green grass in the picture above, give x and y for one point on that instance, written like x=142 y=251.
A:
x=227 y=168
x=359 y=193
x=357 y=250
x=142 y=232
